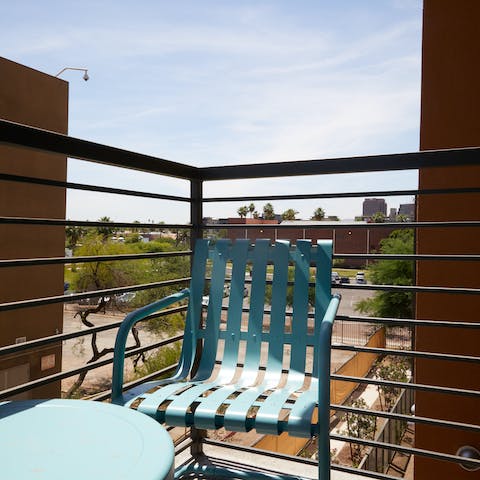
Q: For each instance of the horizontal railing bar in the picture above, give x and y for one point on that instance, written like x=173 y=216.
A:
x=361 y=473
x=20 y=347
x=90 y=366
x=347 y=226
x=408 y=353
x=409 y=288
x=135 y=383
x=35 y=302
x=400 y=322
x=409 y=385
x=392 y=288
x=86 y=223
x=308 y=196
x=22 y=262
x=30 y=137
x=368 y=163
x=409 y=450
x=413 y=257
x=408 y=322
x=407 y=418
x=267 y=453
x=91 y=188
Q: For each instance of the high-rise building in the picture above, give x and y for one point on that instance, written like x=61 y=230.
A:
x=407 y=209
x=371 y=206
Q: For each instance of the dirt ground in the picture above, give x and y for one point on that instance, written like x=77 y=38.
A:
x=78 y=352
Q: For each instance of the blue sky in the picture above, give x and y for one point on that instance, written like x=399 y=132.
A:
x=227 y=82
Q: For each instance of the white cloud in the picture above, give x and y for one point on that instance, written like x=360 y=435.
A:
x=231 y=82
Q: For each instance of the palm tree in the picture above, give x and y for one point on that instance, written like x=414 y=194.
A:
x=251 y=209
x=73 y=235
x=105 y=231
x=318 y=214
x=289 y=214
x=242 y=211
x=268 y=213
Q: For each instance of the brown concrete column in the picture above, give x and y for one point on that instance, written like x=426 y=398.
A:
x=33 y=98
x=449 y=119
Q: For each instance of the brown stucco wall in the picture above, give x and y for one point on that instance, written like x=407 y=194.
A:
x=449 y=119
x=346 y=240
x=33 y=98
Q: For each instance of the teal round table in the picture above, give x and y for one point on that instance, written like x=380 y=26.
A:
x=81 y=439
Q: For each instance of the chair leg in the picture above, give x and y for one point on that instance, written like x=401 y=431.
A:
x=324 y=455
x=197 y=437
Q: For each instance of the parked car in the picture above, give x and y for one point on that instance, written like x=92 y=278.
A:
x=335 y=278
x=360 y=277
x=125 y=298
x=344 y=279
x=92 y=300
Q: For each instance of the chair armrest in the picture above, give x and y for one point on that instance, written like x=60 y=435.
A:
x=130 y=320
x=325 y=342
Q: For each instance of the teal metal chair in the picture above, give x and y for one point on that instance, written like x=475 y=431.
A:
x=246 y=370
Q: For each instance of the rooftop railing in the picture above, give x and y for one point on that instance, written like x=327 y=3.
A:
x=28 y=137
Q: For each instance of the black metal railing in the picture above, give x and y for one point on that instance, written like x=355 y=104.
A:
x=29 y=137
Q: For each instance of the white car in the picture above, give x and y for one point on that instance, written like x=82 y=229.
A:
x=360 y=278
x=335 y=278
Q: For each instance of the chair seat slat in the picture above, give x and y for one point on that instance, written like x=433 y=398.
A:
x=176 y=411
x=205 y=414
x=300 y=418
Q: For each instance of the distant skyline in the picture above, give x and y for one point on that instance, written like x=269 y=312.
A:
x=224 y=82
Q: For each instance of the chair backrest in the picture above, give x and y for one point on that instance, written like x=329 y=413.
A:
x=259 y=299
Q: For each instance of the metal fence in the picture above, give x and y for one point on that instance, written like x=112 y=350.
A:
x=349 y=328
x=392 y=431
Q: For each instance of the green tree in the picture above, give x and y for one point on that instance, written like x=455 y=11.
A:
x=242 y=211
x=105 y=231
x=73 y=235
x=359 y=426
x=101 y=275
x=182 y=237
x=402 y=218
x=159 y=360
x=391 y=272
x=392 y=369
x=135 y=229
x=378 y=217
x=268 y=212
x=318 y=214
x=289 y=214
x=251 y=209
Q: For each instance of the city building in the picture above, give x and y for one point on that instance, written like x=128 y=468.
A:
x=371 y=206
x=407 y=210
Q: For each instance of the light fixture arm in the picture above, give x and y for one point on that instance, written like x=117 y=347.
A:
x=85 y=75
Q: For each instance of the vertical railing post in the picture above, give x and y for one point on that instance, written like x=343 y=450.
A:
x=196 y=210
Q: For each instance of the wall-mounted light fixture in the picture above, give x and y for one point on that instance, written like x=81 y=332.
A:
x=85 y=70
